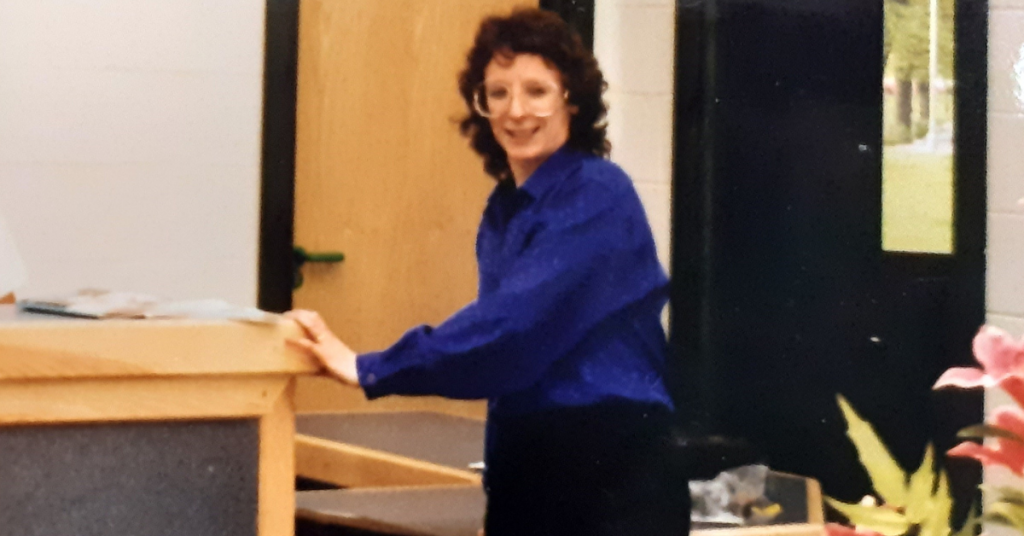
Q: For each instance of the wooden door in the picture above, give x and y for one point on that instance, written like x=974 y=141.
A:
x=383 y=176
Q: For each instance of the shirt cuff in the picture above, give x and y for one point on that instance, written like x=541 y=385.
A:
x=366 y=370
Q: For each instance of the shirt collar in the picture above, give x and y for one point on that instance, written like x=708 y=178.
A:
x=552 y=171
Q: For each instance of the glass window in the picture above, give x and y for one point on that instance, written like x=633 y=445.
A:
x=918 y=126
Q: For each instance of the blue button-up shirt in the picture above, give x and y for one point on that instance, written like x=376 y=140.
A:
x=569 y=302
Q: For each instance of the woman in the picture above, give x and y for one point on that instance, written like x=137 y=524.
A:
x=564 y=339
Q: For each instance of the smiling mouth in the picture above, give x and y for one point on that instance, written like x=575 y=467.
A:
x=522 y=134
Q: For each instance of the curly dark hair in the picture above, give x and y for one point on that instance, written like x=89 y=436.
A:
x=535 y=31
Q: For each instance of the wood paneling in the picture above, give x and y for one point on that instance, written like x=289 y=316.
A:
x=143 y=399
x=277 y=465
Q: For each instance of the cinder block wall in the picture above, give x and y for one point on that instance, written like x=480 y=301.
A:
x=634 y=41
x=1005 y=278
x=1005 y=248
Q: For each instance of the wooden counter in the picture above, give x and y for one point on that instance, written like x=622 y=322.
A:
x=146 y=427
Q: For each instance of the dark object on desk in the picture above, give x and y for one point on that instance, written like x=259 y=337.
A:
x=799 y=497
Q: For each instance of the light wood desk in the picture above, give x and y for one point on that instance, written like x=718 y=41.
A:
x=146 y=427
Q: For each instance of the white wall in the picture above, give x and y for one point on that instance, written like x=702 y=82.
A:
x=1005 y=284
x=634 y=41
x=130 y=143
x=1005 y=248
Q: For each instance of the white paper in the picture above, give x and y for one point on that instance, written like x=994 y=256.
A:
x=12 y=270
x=99 y=303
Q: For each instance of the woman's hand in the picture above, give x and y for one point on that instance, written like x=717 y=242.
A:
x=321 y=344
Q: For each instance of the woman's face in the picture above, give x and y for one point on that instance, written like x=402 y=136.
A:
x=525 y=100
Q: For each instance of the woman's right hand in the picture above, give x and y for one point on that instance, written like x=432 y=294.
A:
x=320 y=343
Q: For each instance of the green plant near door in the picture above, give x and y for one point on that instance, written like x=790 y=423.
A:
x=919 y=504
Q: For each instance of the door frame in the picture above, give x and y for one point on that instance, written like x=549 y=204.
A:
x=277 y=162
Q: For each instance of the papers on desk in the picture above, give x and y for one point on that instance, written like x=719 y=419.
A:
x=94 y=303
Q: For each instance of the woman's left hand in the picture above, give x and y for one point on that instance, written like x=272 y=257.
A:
x=321 y=344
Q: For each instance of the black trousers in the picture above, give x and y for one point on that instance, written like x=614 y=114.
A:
x=595 y=471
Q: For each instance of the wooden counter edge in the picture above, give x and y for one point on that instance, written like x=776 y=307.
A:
x=58 y=349
x=352 y=466
x=789 y=529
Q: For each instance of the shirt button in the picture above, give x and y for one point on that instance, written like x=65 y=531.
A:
x=371 y=378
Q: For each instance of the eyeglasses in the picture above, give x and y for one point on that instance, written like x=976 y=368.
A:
x=539 y=99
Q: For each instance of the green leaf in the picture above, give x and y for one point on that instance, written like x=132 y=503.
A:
x=981 y=431
x=879 y=519
x=919 y=493
x=937 y=521
x=887 y=477
x=997 y=519
x=1004 y=494
x=1006 y=514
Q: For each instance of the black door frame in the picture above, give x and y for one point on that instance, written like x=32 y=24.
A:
x=277 y=168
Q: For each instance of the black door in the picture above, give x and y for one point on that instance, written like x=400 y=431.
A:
x=784 y=296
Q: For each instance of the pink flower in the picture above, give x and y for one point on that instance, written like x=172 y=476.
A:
x=835 y=529
x=1000 y=451
x=1002 y=359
